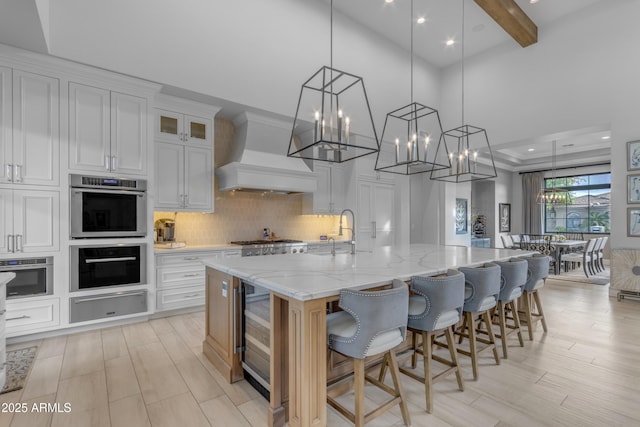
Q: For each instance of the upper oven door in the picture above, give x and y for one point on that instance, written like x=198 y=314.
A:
x=107 y=213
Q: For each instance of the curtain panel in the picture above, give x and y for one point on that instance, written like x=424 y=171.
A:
x=532 y=183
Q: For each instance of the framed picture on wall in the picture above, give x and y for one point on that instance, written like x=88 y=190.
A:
x=633 y=155
x=633 y=188
x=461 y=216
x=633 y=222
x=505 y=217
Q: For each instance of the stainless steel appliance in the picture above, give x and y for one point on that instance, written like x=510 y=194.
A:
x=102 y=266
x=34 y=276
x=107 y=207
x=82 y=309
x=271 y=247
x=166 y=229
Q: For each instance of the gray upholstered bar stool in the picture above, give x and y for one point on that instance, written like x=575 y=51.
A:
x=434 y=307
x=513 y=276
x=537 y=274
x=371 y=323
x=482 y=287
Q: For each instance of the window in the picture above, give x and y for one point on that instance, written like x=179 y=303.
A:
x=586 y=207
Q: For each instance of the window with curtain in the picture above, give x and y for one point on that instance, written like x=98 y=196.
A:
x=586 y=207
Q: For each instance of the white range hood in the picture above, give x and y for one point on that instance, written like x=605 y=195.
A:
x=259 y=162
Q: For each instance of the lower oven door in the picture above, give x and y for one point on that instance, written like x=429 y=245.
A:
x=104 y=266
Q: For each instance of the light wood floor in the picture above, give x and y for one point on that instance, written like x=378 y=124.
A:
x=584 y=372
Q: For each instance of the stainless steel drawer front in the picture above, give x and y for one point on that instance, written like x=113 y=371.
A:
x=100 y=306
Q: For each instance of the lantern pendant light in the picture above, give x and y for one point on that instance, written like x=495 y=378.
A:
x=333 y=121
x=411 y=136
x=466 y=146
x=552 y=195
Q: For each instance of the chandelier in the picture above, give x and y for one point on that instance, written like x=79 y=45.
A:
x=552 y=195
x=411 y=135
x=466 y=146
x=332 y=107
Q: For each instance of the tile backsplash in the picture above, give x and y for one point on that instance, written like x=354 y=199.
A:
x=243 y=216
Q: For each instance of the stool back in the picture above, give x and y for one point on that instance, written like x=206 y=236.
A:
x=443 y=294
x=481 y=284
x=375 y=313
x=513 y=277
x=537 y=272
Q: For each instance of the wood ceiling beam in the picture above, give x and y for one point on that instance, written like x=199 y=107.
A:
x=512 y=19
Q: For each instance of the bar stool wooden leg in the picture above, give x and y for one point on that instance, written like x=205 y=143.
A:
x=395 y=376
x=527 y=314
x=358 y=388
x=492 y=338
x=471 y=326
x=503 y=328
x=536 y=296
x=427 y=348
x=454 y=357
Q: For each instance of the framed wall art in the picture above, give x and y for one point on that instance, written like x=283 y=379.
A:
x=633 y=222
x=633 y=155
x=461 y=216
x=505 y=217
x=633 y=188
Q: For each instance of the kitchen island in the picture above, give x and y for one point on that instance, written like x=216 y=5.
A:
x=300 y=288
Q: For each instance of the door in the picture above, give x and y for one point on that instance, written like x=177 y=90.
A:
x=198 y=179
x=89 y=128
x=168 y=127
x=36 y=136
x=375 y=214
x=36 y=220
x=169 y=175
x=197 y=131
x=6 y=126
x=128 y=134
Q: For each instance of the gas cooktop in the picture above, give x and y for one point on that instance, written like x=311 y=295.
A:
x=264 y=242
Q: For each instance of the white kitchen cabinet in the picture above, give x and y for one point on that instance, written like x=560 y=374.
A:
x=329 y=197
x=180 y=279
x=107 y=131
x=375 y=219
x=32 y=315
x=184 y=178
x=183 y=128
x=30 y=221
x=29 y=134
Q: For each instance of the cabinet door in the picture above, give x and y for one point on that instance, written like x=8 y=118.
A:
x=6 y=219
x=375 y=214
x=6 y=126
x=128 y=134
x=198 y=179
x=169 y=159
x=338 y=189
x=36 y=220
x=197 y=131
x=169 y=127
x=89 y=128
x=36 y=135
x=365 y=216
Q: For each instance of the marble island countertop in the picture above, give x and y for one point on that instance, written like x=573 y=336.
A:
x=311 y=276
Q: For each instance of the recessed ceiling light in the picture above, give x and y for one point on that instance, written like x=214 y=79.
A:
x=606 y=137
x=421 y=20
x=531 y=149
x=533 y=1
x=388 y=1
x=450 y=42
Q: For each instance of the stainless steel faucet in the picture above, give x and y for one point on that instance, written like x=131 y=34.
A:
x=353 y=229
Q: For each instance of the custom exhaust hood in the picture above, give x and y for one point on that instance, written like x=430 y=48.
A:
x=258 y=161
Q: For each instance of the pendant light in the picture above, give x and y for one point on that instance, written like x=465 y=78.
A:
x=333 y=121
x=552 y=196
x=411 y=135
x=467 y=146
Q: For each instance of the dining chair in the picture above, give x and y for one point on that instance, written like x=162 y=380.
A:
x=584 y=258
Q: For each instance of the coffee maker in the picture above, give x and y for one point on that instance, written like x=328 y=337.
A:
x=166 y=229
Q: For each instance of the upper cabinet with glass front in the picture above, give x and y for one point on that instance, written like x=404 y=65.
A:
x=182 y=128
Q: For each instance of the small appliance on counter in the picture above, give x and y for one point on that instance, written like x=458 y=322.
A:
x=166 y=229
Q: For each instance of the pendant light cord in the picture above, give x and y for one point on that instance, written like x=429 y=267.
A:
x=411 y=51
x=462 y=62
x=331 y=39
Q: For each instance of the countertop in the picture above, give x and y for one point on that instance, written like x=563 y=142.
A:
x=226 y=246
x=310 y=276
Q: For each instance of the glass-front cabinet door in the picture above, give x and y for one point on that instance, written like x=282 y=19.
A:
x=182 y=128
x=169 y=126
x=197 y=130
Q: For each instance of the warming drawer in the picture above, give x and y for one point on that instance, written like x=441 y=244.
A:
x=91 y=307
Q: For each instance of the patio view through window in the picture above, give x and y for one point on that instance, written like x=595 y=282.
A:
x=586 y=207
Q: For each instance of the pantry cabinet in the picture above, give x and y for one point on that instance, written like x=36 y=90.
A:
x=375 y=213
x=30 y=221
x=107 y=131
x=29 y=128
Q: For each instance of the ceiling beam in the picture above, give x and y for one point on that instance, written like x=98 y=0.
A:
x=512 y=19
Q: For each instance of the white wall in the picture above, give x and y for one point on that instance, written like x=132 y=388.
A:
x=583 y=72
